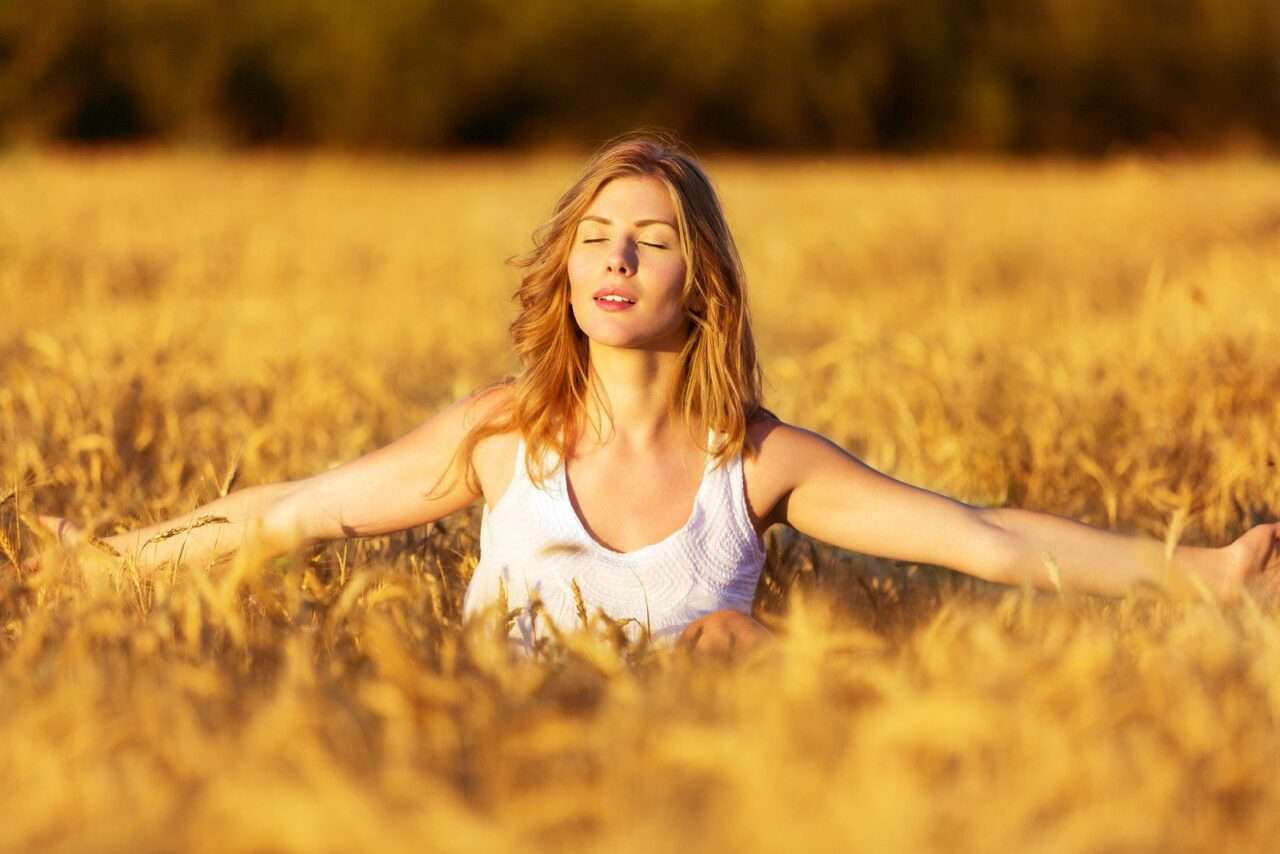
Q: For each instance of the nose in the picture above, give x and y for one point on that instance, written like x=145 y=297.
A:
x=621 y=262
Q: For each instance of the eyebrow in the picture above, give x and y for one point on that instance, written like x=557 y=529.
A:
x=638 y=223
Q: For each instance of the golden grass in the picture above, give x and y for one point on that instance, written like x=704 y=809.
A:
x=1095 y=341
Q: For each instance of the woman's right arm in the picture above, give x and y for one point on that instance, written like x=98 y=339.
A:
x=398 y=486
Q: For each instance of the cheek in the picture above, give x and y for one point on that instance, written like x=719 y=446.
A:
x=673 y=280
x=575 y=273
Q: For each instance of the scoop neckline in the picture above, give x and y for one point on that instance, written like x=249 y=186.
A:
x=601 y=547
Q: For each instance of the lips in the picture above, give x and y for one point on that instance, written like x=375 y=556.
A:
x=615 y=296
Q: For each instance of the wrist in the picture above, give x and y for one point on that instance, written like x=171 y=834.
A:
x=1219 y=569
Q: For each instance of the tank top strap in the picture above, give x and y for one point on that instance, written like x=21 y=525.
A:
x=521 y=471
x=728 y=494
x=717 y=480
x=522 y=474
x=714 y=442
x=548 y=462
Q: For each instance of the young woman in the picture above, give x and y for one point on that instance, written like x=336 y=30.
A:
x=632 y=457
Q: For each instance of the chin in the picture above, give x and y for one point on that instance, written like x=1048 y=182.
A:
x=628 y=335
x=627 y=340
x=617 y=339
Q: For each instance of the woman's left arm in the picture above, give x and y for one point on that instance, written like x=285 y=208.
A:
x=830 y=495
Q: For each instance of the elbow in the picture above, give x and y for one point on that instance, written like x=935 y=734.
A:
x=281 y=520
x=997 y=553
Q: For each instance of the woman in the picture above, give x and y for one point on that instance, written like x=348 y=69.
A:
x=631 y=457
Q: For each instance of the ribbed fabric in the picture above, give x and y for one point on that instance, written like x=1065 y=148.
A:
x=533 y=542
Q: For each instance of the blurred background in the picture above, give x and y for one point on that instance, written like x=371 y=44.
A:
x=244 y=242
x=1009 y=76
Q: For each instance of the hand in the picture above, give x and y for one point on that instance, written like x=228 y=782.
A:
x=721 y=634
x=65 y=532
x=1254 y=563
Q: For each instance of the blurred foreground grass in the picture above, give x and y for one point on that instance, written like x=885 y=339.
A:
x=1098 y=342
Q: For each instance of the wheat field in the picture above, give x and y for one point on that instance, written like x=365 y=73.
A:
x=1093 y=340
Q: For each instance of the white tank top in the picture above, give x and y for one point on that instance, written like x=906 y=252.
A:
x=532 y=542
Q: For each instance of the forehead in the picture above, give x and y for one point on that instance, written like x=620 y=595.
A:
x=633 y=197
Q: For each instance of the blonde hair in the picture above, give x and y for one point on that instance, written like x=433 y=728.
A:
x=720 y=382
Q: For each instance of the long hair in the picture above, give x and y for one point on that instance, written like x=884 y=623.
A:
x=720 y=381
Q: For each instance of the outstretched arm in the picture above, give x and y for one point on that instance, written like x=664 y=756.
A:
x=829 y=494
x=1054 y=551
x=387 y=490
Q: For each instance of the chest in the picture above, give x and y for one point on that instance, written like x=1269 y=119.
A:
x=627 y=502
x=626 y=505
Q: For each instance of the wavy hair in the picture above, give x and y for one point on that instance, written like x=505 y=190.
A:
x=720 y=381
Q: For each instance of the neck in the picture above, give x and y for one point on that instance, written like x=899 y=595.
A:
x=630 y=397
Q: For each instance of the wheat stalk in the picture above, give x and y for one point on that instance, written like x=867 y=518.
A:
x=195 y=523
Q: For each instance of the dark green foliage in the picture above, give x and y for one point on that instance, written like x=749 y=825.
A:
x=999 y=75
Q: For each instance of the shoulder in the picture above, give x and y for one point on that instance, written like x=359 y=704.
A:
x=493 y=454
x=772 y=442
x=458 y=419
x=485 y=404
x=776 y=458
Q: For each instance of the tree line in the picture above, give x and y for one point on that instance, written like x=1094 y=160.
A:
x=1027 y=76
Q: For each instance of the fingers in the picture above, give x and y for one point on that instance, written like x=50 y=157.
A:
x=1263 y=583
x=65 y=531
x=1268 y=547
x=1265 y=590
x=724 y=634
x=689 y=637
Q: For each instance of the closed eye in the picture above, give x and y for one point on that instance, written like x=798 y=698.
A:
x=641 y=242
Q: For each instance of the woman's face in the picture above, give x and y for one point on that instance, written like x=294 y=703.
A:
x=626 y=269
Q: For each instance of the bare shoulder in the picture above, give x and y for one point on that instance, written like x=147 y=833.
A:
x=485 y=403
x=776 y=458
x=775 y=446
x=494 y=454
